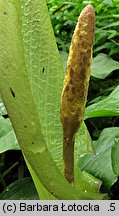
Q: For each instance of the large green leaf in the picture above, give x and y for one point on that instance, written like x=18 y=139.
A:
x=8 y=139
x=100 y=165
x=64 y=57
x=106 y=107
x=103 y=65
x=115 y=156
x=42 y=191
x=111 y=25
x=83 y=181
x=22 y=189
x=83 y=143
x=86 y=182
x=27 y=91
x=2 y=107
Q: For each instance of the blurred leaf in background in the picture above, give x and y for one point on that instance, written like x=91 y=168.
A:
x=99 y=165
x=103 y=65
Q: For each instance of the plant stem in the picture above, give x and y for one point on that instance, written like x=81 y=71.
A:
x=68 y=157
x=74 y=94
x=6 y=172
x=59 y=8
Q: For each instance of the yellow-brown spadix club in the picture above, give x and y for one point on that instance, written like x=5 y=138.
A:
x=74 y=94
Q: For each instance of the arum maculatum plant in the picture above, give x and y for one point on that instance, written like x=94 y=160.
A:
x=28 y=60
x=76 y=83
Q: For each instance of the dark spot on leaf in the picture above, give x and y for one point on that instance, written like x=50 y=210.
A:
x=5 y=13
x=73 y=90
x=67 y=88
x=88 y=53
x=37 y=21
x=80 y=37
x=82 y=74
x=71 y=72
x=90 y=15
x=81 y=91
x=83 y=61
x=32 y=142
x=70 y=99
x=25 y=126
x=70 y=81
x=83 y=44
x=12 y=92
x=82 y=57
x=5 y=116
x=43 y=70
